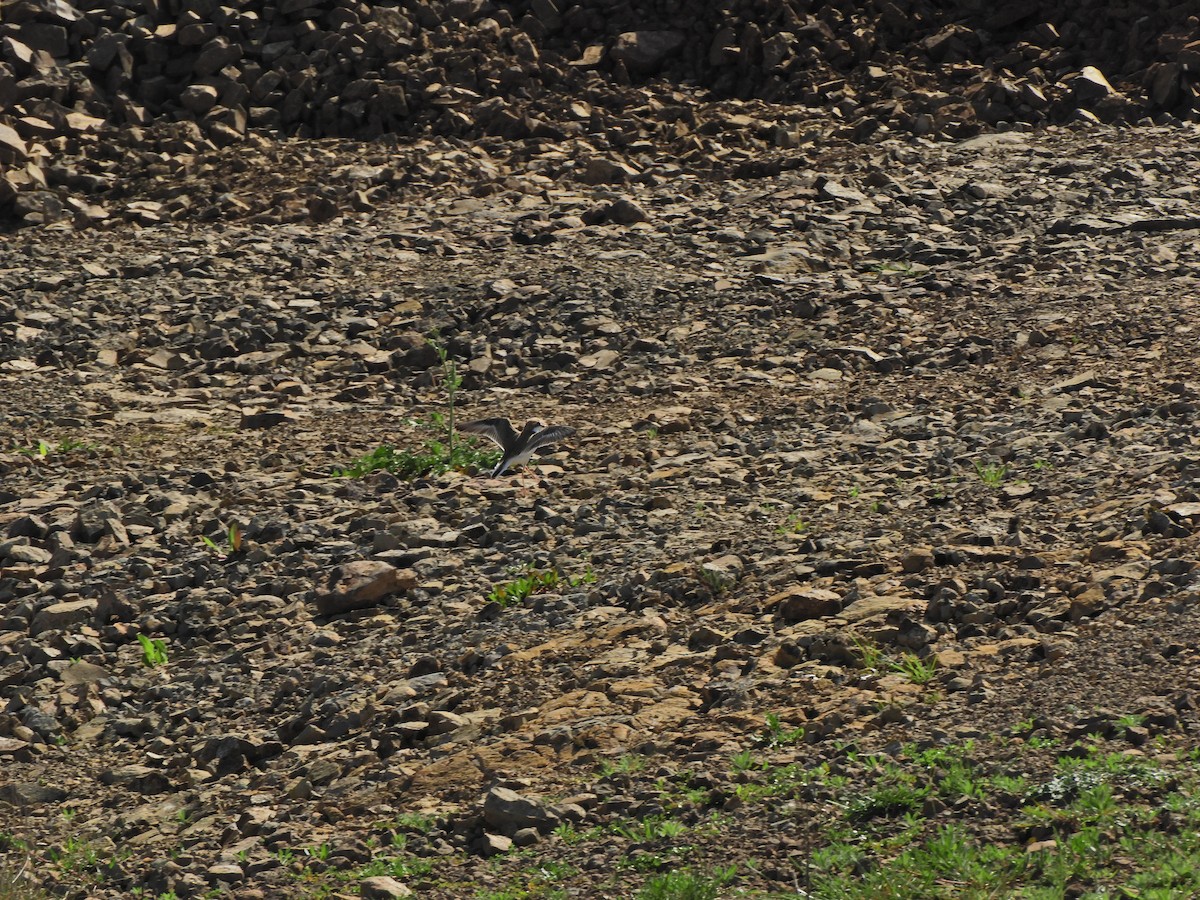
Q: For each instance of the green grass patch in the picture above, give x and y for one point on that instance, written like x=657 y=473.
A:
x=687 y=885
x=433 y=457
x=536 y=581
x=1099 y=824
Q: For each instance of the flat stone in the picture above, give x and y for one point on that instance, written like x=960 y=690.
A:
x=507 y=811
x=361 y=584
x=26 y=794
x=646 y=51
x=83 y=673
x=382 y=887
x=799 y=603
x=62 y=616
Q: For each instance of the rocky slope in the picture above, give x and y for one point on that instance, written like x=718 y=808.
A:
x=876 y=542
x=106 y=107
x=897 y=449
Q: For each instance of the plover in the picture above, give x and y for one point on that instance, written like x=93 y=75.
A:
x=517 y=447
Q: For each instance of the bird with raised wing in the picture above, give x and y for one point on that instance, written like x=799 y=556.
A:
x=518 y=448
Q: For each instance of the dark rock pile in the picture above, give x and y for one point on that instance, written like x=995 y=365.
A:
x=93 y=92
x=898 y=452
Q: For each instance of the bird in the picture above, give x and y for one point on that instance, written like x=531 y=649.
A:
x=517 y=447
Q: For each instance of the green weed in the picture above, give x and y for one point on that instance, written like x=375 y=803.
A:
x=869 y=655
x=892 y=267
x=417 y=822
x=991 y=474
x=536 y=581
x=745 y=761
x=401 y=867
x=626 y=765
x=888 y=800
x=443 y=451
x=686 y=885
x=919 y=671
x=319 y=851
x=715 y=580
x=154 y=651
x=776 y=734
x=649 y=829
x=793 y=524
x=44 y=449
x=433 y=458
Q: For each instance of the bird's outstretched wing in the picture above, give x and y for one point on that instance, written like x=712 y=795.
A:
x=498 y=430
x=550 y=435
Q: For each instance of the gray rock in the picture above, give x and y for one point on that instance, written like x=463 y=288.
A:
x=382 y=887
x=495 y=844
x=361 y=584
x=199 y=98
x=83 y=673
x=23 y=552
x=228 y=873
x=65 y=615
x=29 y=794
x=506 y=811
x=1090 y=85
x=645 y=52
x=95 y=519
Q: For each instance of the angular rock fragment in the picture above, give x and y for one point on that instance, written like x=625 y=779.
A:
x=361 y=584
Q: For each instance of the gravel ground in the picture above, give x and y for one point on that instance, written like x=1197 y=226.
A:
x=894 y=449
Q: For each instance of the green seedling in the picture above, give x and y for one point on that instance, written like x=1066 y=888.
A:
x=44 y=449
x=776 y=734
x=320 y=851
x=154 y=651
x=991 y=474
x=567 y=833
x=518 y=589
x=746 y=761
x=793 y=524
x=233 y=541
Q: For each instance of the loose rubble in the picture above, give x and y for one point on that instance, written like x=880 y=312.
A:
x=852 y=394
x=108 y=110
